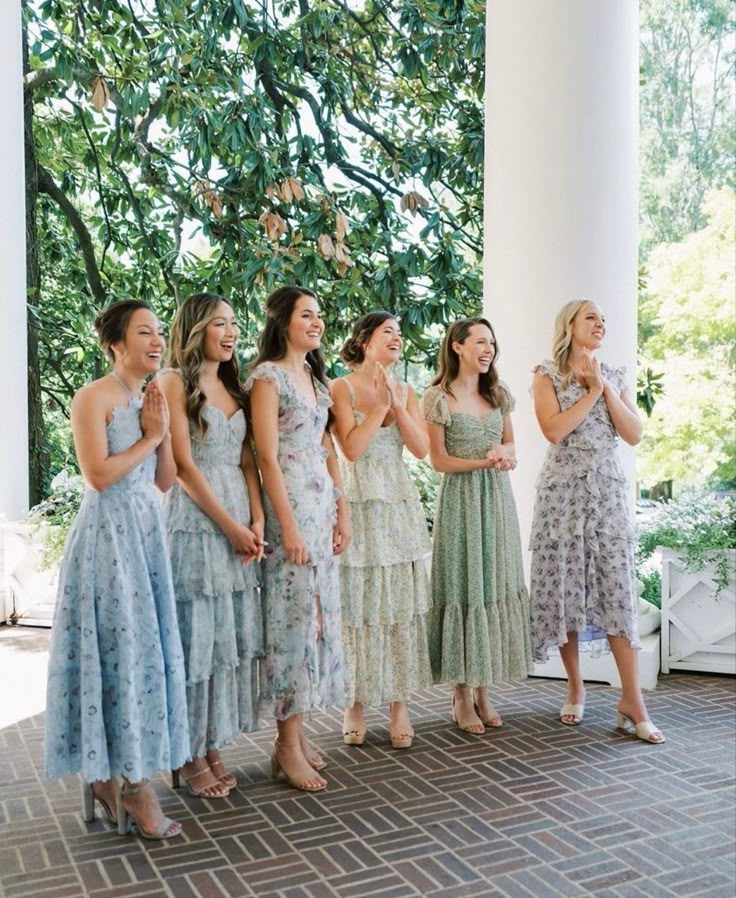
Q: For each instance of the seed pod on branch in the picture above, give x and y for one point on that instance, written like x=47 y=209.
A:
x=412 y=201
x=341 y=226
x=100 y=93
x=273 y=224
x=325 y=246
x=342 y=257
x=210 y=196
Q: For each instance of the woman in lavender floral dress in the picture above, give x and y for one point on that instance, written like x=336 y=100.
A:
x=582 y=540
x=307 y=524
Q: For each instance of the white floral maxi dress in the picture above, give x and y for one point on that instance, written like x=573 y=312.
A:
x=582 y=538
x=383 y=580
x=301 y=670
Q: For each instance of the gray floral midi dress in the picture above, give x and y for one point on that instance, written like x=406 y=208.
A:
x=383 y=580
x=218 y=601
x=582 y=538
x=479 y=621
x=303 y=667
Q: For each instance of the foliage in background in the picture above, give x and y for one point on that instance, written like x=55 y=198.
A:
x=695 y=525
x=688 y=311
x=55 y=516
x=236 y=145
x=686 y=290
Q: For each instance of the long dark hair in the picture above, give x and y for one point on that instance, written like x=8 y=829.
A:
x=449 y=363
x=353 y=349
x=272 y=342
x=186 y=354
x=112 y=323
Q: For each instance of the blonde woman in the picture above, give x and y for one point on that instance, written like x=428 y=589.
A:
x=582 y=577
x=383 y=583
x=214 y=519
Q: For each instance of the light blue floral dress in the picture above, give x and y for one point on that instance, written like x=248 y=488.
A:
x=116 y=700
x=383 y=579
x=217 y=598
x=301 y=670
x=583 y=575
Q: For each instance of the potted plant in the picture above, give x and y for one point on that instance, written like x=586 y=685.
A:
x=32 y=552
x=687 y=556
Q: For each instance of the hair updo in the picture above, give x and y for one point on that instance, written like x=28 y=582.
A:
x=112 y=323
x=353 y=350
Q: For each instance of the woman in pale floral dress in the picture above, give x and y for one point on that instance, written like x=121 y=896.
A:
x=116 y=707
x=583 y=585
x=383 y=582
x=479 y=621
x=307 y=523
x=214 y=520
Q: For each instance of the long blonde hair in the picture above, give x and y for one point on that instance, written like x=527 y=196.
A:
x=562 y=340
x=186 y=354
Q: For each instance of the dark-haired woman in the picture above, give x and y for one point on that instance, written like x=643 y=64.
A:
x=479 y=623
x=383 y=581
x=307 y=523
x=214 y=519
x=116 y=704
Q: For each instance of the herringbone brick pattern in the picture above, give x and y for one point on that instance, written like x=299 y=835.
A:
x=533 y=809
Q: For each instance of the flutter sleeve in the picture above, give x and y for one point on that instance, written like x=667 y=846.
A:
x=617 y=376
x=267 y=372
x=508 y=403
x=434 y=407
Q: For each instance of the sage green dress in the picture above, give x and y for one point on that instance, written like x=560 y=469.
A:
x=479 y=618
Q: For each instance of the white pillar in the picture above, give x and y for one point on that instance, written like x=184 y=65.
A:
x=561 y=189
x=13 y=353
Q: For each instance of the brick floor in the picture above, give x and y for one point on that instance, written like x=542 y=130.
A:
x=533 y=809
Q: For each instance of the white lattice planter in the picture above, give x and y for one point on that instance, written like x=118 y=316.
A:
x=698 y=627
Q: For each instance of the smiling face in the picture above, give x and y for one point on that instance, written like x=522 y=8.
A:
x=384 y=344
x=306 y=327
x=477 y=351
x=588 y=327
x=143 y=347
x=221 y=334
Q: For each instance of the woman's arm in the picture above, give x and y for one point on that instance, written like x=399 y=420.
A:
x=555 y=423
x=623 y=414
x=449 y=464
x=88 y=419
x=255 y=499
x=409 y=422
x=192 y=479
x=264 y=405
x=342 y=532
x=354 y=438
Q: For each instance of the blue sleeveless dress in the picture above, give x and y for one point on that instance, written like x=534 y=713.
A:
x=217 y=598
x=116 y=701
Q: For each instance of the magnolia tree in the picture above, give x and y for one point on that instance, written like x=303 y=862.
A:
x=232 y=145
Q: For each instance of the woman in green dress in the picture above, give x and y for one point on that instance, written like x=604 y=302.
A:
x=479 y=620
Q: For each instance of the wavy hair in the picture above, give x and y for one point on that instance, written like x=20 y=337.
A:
x=111 y=324
x=273 y=343
x=186 y=355
x=353 y=349
x=449 y=363
x=562 y=339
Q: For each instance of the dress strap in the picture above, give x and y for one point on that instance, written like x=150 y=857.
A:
x=351 y=390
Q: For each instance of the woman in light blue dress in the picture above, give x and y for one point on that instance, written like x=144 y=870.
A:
x=116 y=703
x=214 y=521
x=307 y=524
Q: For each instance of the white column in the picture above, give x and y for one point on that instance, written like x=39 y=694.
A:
x=13 y=356
x=561 y=189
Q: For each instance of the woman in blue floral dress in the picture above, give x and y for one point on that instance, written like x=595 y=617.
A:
x=583 y=583
x=307 y=524
x=116 y=704
x=214 y=520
